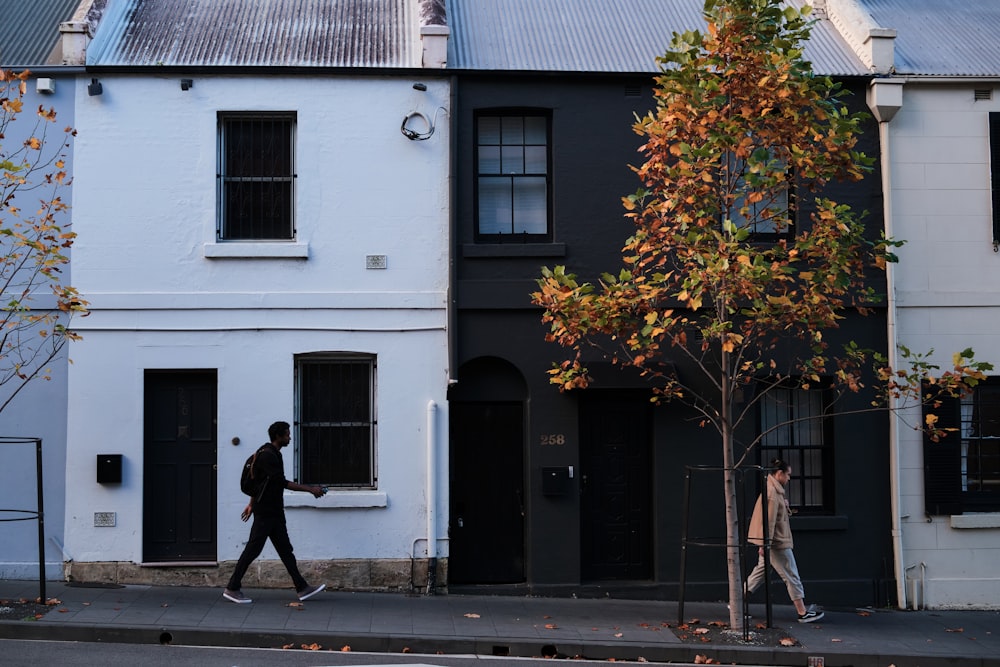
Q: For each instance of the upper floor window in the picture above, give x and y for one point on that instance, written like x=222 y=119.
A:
x=335 y=420
x=796 y=429
x=513 y=177
x=962 y=469
x=764 y=211
x=256 y=179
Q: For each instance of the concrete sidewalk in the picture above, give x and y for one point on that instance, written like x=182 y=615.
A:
x=496 y=625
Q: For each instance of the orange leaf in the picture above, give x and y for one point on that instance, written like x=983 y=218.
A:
x=472 y=616
x=345 y=648
x=551 y=626
x=787 y=641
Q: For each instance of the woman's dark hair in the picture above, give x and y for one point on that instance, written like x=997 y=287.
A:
x=778 y=464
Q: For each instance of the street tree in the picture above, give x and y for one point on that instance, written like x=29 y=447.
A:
x=38 y=303
x=739 y=267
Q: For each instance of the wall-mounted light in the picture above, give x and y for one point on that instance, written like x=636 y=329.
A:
x=95 y=88
x=420 y=86
x=186 y=84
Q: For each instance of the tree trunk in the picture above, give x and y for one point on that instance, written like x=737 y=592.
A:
x=733 y=548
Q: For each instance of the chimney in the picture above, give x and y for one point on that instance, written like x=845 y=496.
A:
x=872 y=43
x=434 y=33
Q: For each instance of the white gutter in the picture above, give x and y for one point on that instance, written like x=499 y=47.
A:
x=885 y=98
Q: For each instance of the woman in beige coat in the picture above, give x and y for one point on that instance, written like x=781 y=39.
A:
x=779 y=533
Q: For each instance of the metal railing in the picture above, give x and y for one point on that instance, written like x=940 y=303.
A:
x=38 y=514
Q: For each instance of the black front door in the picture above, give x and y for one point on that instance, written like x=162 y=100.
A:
x=615 y=530
x=179 y=475
x=487 y=493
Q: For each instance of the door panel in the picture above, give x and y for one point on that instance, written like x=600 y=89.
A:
x=616 y=527
x=487 y=493
x=179 y=476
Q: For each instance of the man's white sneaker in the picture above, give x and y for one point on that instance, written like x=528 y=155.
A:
x=310 y=591
x=236 y=596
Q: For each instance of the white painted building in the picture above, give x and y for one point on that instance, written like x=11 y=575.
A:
x=263 y=221
x=937 y=95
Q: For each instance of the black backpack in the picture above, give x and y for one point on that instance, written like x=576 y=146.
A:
x=249 y=483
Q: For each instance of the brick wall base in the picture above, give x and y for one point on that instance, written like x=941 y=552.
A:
x=396 y=575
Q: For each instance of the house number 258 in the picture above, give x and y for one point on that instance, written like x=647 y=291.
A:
x=553 y=439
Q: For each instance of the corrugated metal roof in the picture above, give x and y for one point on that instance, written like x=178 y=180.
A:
x=29 y=30
x=257 y=33
x=597 y=36
x=942 y=37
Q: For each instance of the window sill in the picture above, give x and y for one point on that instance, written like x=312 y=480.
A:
x=337 y=499
x=514 y=250
x=254 y=250
x=983 y=520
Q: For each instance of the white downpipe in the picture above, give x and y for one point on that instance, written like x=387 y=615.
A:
x=893 y=358
x=432 y=482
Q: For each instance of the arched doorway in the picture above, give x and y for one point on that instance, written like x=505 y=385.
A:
x=486 y=530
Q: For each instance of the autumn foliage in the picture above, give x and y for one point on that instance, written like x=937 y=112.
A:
x=739 y=265
x=37 y=301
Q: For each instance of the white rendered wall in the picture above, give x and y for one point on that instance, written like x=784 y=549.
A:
x=147 y=215
x=39 y=410
x=948 y=289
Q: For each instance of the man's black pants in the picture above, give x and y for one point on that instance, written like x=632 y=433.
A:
x=267 y=526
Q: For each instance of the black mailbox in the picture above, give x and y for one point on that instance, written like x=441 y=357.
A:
x=555 y=481
x=109 y=468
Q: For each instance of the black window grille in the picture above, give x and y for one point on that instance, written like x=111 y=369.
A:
x=336 y=420
x=256 y=176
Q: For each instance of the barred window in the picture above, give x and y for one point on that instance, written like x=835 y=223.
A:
x=335 y=420
x=801 y=438
x=256 y=178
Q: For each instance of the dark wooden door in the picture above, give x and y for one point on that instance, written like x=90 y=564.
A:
x=616 y=488
x=487 y=493
x=179 y=475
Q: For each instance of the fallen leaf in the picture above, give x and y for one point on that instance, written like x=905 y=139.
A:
x=406 y=649
x=546 y=616
x=718 y=624
x=864 y=613
x=345 y=648
x=63 y=610
x=701 y=631
x=954 y=630
x=85 y=604
x=705 y=639
x=551 y=626
x=54 y=601
x=787 y=641
x=472 y=616
x=618 y=634
x=288 y=646
x=836 y=640
x=294 y=604
x=641 y=659
x=694 y=621
x=311 y=647
x=164 y=605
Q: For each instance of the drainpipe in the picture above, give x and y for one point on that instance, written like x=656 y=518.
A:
x=431 y=497
x=885 y=98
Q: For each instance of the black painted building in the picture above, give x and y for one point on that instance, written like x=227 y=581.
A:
x=584 y=492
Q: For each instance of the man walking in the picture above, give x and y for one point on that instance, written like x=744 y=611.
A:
x=268 y=509
x=779 y=534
